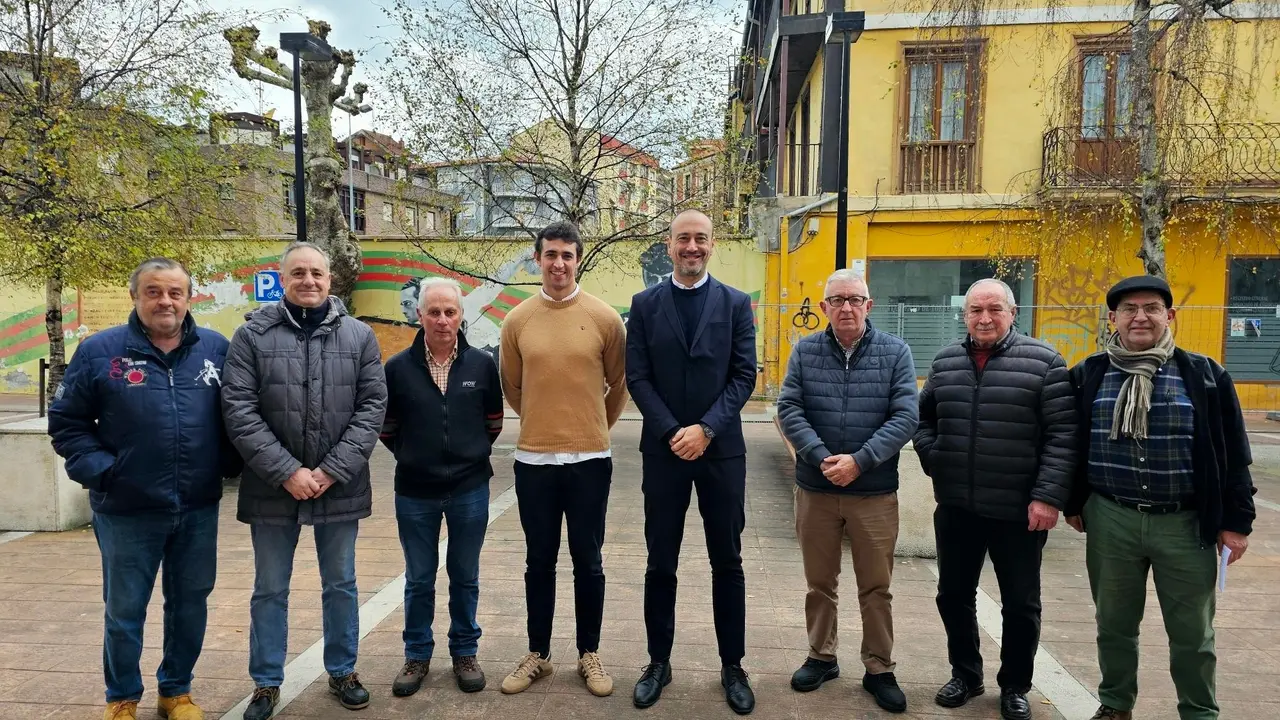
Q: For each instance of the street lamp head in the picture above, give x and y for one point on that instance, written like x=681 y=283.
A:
x=306 y=46
x=365 y=108
x=840 y=23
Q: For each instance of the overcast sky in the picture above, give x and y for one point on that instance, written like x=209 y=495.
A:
x=358 y=25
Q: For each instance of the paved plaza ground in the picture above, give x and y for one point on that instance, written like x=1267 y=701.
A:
x=51 y=619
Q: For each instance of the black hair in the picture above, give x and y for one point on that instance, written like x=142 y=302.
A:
x=562 y=231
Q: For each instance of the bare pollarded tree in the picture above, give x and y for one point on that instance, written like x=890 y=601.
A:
x=326 y=226
x=573 y=99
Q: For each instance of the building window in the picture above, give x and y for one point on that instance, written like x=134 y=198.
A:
x=388 y=213
x=411 y=219
x=290 y=199
x=922 y=301
x=430 y=220
x=346 y=207
x=1105 y=150
x=1252 y=347
x=940 y=118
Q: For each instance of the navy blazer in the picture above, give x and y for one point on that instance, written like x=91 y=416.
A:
x=676 y=385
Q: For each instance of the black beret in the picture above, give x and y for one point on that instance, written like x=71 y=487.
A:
x=1139 y=283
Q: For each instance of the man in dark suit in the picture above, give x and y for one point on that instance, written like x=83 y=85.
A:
x=691 y=366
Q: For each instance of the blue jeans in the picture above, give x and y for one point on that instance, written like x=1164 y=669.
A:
x=273 y=548
x=134 y=548
x=467 y=517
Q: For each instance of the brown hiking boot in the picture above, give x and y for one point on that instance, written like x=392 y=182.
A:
x=470 y=676
x=592 y=670
x=179 y=707
x=1110 y=713
x=121 y=710
x=410 y=678
x=532 y=667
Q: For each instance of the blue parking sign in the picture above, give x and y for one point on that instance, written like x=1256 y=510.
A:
x=266 y=286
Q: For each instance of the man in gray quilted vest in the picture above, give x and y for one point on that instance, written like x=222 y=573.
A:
x=848 y=406
x=303 y=397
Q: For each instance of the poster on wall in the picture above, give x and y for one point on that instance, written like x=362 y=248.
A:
x=1237 y=327
x=1253 y=327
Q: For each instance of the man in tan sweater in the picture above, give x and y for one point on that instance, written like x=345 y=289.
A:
x=562 y=364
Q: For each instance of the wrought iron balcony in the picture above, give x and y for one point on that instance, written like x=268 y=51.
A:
x=1228 y=156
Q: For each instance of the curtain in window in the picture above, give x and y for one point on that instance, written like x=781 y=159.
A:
x=953 y=101
x=1094 y=99
x=920 y=110
x=1124 y=96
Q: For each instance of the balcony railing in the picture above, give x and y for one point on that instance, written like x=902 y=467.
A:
x=1223 y=156
x=938 y=167
x=802 y=169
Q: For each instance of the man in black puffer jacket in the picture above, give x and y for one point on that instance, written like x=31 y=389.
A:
x=997 y=435
x=848 y=406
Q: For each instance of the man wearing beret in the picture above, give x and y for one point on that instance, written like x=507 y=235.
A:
x=1163 y=484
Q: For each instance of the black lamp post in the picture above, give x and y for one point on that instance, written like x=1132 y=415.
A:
x=849 y=25
x=303 y=46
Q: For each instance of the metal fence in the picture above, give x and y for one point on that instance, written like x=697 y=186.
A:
x=1246 y=339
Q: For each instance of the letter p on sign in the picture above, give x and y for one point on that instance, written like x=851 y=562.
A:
x=266 y=286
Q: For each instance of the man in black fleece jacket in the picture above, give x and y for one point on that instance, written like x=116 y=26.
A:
x=443 y=416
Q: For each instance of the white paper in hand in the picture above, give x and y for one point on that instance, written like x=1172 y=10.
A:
x=1222 y=568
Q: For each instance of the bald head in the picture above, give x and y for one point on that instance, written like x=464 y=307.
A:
x=690 y=246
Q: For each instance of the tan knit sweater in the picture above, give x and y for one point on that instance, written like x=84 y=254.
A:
x=563 y=372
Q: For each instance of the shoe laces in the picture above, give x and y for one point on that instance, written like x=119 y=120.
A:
x=415 y=667
x=122 y=710
x=591 y=665
x=348 y=682
x=1107 y=712
x=650 y=671
x=735 y=673
x=528 y=666
x=886 y=679
x=263 y=692
x=466 y=663
x=816 y=663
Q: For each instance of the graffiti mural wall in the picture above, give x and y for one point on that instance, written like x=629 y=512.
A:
x=495 y=277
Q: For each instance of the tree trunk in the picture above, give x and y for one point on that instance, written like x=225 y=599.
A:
x=326 y=225
x=53 y=330
x=1153 y=200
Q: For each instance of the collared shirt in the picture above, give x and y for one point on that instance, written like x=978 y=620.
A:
x=1157 y=469
x=440 y=371
x=532 y=458
x=853 y=348
x=695 y=286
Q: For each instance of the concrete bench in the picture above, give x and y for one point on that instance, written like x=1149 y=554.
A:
x=35 y=492
x=915 y=503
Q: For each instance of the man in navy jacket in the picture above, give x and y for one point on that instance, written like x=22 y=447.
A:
x=138 y=418
x=691 y=367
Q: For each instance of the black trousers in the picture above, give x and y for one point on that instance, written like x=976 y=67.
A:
x=579 y=493
x=721 y=485
x=964 y=539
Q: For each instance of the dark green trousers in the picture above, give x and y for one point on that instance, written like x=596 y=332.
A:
x=1122 y=544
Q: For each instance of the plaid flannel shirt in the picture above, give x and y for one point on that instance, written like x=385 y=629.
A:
x=1157 y=469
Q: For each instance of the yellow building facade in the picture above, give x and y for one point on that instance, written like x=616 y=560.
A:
x=1002 y=148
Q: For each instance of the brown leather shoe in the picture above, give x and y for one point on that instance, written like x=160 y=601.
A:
x=1110 y=713
x=121 y=710
x=410 y=677
x=467 y=671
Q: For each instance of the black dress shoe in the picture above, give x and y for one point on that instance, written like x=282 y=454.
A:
x=884 y=687
x=957 y=692
x=813 y=673
x=737 y=691
x=262 y=706
x=1013 y=705
x=649 y=687
x=350 y=692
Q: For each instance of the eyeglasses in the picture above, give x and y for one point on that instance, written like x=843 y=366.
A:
x=838 y=301
x=1150 y=310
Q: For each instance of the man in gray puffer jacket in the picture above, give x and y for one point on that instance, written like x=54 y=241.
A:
x=997 y=435
x=303 y=397
x=848 y=406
